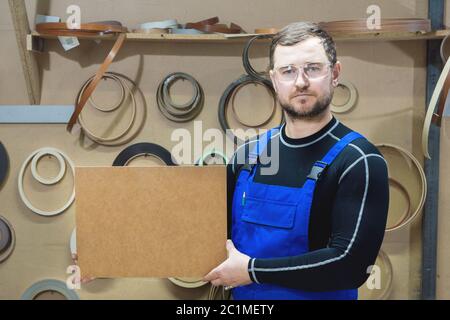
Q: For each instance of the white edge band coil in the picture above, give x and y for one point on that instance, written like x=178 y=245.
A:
x=39 y=153
x=431 y=108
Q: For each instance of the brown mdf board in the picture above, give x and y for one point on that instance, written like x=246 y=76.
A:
x=150 y=221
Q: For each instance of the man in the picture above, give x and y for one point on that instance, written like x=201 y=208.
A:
x=314 y=228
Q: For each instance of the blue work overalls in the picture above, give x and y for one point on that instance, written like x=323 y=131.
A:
x=270 y=221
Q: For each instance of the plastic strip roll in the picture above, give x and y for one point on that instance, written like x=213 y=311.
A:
x=164 y=24
x=226 y=97
x=443 y=97
x=152 y=31
x=186 y=31
x=4 y=164
x=121 y=86
x=432 y=106
x=395 y=185
x=213 y=153
x=386 y=25
x=49 y=285
x=24 y=198
x=351 y=101
x=61 y=162
x=261 y=76
x=188 y=283
x=7 y=239
x=413 y=212
x=125 y=92
x=143 y=149
x=384 y=266
x=175 y=112
x=233 y=105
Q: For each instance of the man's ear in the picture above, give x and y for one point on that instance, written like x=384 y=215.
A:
x=335 y=73
x=272 y=77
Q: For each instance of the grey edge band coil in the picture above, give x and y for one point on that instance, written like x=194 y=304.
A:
x=49 y=285
x=7 y=239
x=179 y=112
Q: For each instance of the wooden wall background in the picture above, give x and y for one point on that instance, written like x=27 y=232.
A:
x=390 y=78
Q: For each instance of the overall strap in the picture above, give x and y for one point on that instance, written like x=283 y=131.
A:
x=319 y=166
x=260 y=145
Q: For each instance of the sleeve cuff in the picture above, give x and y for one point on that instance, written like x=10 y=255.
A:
x=251 y=270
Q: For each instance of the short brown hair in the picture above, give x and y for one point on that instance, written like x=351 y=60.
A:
x=299 y=31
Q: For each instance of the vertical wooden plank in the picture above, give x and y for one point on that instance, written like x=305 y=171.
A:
x=29 y=63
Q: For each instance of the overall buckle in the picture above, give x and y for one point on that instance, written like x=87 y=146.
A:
x=317 y=169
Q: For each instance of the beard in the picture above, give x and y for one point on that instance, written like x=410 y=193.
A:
x=319 y=107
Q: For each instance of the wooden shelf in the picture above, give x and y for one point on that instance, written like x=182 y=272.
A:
x=34 y=38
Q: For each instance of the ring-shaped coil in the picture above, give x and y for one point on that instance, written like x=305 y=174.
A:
x=351 y=101
x=121 y=99
x=188 y=283
x=24 y=198
x=263 y=122
x=384 y=263
x=61 y=162
x=407 y=211
x=7 y=240
x=4 y=164
x=261 y=76
x=175 y=112
x=106 y=140
x=225 y=99
x=142 y=149
x=212 y=153
x=49 y=285
x=423 y=184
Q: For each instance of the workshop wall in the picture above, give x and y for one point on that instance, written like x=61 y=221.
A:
x=390 y=78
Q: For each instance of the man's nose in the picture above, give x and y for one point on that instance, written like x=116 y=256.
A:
x=302 y=81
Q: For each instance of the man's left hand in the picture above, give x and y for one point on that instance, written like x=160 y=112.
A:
x=233 y=272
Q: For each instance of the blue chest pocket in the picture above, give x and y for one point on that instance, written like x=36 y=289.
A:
x=269 y=213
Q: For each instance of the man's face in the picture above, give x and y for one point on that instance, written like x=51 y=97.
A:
x=304 y=97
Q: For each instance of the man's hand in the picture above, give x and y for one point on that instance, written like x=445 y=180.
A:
x=233 y=272
x=83 y=280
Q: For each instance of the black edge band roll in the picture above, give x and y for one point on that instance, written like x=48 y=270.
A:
x=143 y=148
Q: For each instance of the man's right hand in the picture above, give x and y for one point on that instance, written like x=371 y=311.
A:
x=83 y=280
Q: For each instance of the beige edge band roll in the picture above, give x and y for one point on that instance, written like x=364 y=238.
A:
x=110 y=141
x=384 y=292
x=350 y=103
x=431 y=108
x=423 y=183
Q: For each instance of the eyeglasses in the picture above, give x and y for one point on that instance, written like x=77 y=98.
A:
x=312 y=70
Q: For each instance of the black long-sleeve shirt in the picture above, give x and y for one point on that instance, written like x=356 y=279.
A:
x=348 y=214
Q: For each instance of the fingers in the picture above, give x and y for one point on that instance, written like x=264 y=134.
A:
x=230 y=245
x=86 y=279
x=217 y=282
x=214 y=274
